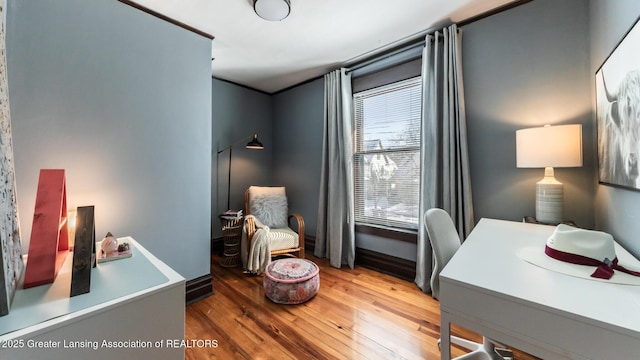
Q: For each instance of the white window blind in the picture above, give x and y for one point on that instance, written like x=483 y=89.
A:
x=387 y=154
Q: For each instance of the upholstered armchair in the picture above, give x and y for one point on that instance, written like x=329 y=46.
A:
x=267 y=220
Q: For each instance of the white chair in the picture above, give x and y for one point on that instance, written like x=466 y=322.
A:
x=269 y=207
x=445 y=242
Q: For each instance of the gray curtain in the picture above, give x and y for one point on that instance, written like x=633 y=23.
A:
x=445 y=179
x=335 y=234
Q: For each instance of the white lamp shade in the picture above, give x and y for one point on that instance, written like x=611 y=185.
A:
x=272 y=10
x=549 y=146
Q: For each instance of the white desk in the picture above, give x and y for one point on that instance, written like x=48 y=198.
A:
x=488 y=289
x=133 y=301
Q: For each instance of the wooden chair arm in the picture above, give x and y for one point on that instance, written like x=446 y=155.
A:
x=299 y=221
x=250 y=227
x=300 y=229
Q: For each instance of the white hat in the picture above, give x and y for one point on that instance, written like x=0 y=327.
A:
x=596 y=245
x=586 y=254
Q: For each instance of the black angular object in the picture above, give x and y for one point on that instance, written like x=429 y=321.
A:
x=84 y=253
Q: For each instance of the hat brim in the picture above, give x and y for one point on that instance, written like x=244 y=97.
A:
x=536 y=256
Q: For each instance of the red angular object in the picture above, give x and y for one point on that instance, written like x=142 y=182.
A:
x=49 y=242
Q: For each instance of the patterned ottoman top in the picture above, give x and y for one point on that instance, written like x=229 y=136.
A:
x=291 y=270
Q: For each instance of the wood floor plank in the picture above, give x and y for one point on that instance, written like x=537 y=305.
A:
x=257 y=329
x=403 y=317
x=357 y=314
x=334 y=324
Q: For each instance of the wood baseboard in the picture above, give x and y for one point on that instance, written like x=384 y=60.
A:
x=309 y=243
x=399 y=267
x=199 y=288
x=402 y=268
x=391 y=265
x=217 y=244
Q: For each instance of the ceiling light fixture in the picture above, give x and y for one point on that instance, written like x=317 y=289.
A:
x=272 y=10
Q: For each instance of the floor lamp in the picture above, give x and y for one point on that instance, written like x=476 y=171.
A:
x=548 y=147
x=252 y=144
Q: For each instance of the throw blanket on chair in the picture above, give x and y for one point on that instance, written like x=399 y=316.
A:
x=260 y=252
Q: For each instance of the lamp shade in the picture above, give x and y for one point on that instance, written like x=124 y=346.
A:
x=254 y=143
x=549 y=146
x=272 y=10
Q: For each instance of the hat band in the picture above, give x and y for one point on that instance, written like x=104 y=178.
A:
x=604 y=268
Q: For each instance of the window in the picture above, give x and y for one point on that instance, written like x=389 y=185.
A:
x=387 y=154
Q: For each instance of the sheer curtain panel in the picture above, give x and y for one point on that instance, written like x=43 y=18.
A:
x=445 y=179
x=335 y=234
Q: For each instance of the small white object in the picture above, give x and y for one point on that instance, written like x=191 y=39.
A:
x=109 y=245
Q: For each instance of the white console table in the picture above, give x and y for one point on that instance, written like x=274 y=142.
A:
x=134 y=307
x=487 y=288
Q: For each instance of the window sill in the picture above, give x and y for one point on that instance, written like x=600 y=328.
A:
x=410 y=236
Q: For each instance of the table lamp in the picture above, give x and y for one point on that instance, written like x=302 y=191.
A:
x=548 y=147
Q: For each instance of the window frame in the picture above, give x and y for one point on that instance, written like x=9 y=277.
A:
x=364 y=223
x=405 y=235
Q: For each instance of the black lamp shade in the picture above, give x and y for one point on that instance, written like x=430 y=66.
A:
x=254 y=143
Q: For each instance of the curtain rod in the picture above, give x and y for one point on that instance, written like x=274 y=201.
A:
x=385 y=56
x=397 y=51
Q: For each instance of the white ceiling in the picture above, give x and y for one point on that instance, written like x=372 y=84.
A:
x=318 y=35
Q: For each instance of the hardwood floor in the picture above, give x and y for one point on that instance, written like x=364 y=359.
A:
x=357 y=314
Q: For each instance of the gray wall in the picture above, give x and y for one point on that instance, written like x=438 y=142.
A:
x=122 y=101
x=525 y=67
x=529 y=66
x=238 y=113
x=297 y=147
x=522 y=68
x=289 y=124
x=617 y=210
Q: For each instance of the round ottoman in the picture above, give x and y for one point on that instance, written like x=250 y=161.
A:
x=291 y=280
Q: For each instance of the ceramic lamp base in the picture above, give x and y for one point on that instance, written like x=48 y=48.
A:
x=549 y=199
